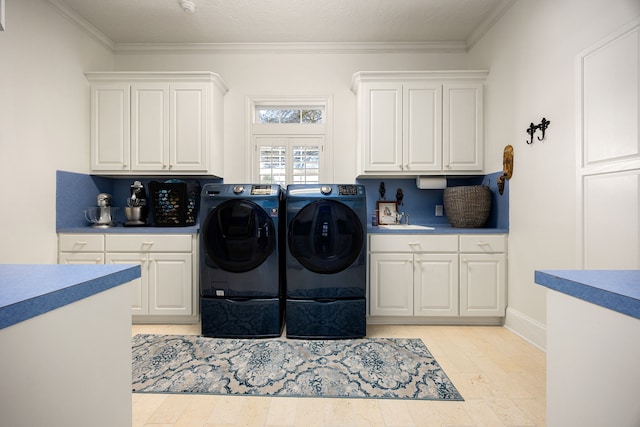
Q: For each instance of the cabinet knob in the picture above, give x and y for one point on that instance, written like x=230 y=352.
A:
x=98 y=261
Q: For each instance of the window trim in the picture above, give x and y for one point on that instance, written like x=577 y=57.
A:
x=324 y=130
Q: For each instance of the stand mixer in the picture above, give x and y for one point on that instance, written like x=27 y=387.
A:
x=102 y=216
x=136 y=210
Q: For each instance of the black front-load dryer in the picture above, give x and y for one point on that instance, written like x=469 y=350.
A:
x=241 y=275
x=326 y=261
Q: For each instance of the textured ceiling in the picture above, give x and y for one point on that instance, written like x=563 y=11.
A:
x=285 y=21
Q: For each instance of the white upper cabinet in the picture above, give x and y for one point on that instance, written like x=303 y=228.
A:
x=419 y=122
x=157 y=123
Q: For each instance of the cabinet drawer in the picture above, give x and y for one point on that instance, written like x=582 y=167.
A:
x=413 y=243
x=148 y=242
x=80 y=242
x=483 y=243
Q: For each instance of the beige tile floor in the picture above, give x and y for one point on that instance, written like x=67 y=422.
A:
x=500 y=376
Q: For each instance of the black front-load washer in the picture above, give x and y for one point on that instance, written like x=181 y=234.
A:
x=241 y=275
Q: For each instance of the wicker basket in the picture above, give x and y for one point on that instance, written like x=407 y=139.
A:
x=175 y=204
x=467 y=206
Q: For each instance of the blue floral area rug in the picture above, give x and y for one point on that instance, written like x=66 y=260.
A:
x=364 y=368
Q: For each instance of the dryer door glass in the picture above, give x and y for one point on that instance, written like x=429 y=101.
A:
x=239 y=235
x=326 y=236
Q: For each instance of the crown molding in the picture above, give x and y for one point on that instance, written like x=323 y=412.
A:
x=83 y=24
x=291 y=48
x=287 y=48
x=489 y=22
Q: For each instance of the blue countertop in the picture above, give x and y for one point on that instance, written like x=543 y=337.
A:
x=29 y=290
x=438 y=229
x=131 y=230
x=617 y=290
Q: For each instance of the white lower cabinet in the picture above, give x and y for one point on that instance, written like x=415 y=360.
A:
x=483 y=270
x=166 y=290
x=413 y=275
x=424 y=276
x=164 y=286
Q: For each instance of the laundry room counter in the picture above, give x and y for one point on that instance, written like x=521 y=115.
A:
x=593 y=325
x=65 y=344
x=120 y=229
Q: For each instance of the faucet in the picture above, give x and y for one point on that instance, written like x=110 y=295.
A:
x=400 y=216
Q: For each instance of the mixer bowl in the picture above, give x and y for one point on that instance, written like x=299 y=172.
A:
x=101 y=217
x=135 y=213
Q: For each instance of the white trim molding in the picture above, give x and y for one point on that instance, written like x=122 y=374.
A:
x=527 y=328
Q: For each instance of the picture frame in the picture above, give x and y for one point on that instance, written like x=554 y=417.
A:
x=387 y=212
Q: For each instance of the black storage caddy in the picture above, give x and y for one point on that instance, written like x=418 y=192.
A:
x=174 y=203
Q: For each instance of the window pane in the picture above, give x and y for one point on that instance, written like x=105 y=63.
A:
x=273 y=163
x=306 y=164
x=290 y=116
x=268 y=116
x=311 y=116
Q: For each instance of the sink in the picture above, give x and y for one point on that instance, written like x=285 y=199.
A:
x=406 y=227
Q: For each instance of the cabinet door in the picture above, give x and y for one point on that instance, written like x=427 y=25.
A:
x=435 y=285
x=110 y=127
x=150 y=126
x=81 y=258
x=382 y=127
x=189 y=113
x=462 y=130
x=482 y=285
x=391 y=284
x=140 y=287
x=170 y=283
x=422 y=127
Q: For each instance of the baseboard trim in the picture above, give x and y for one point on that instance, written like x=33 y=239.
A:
x=526 y=328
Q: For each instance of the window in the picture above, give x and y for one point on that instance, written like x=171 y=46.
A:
x=289 y=115
x=288 y=160
x=288 y=141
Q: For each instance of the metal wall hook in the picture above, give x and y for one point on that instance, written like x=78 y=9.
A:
x=531 y=130
x=544 y=124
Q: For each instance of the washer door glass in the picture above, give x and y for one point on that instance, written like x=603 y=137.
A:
x=326 y=237
x=239 y=235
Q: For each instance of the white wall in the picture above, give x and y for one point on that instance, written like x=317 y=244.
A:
x=531 y=53
x=44 y=121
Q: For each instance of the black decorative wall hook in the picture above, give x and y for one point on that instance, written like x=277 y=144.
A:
x=531 y=130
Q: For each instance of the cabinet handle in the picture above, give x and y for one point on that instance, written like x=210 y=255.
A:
x=413 y=243
x=481 y=243
x=147 y=243
x=81 y=243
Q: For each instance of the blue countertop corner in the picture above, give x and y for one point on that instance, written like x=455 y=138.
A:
x=617 y=290
x=29 y=290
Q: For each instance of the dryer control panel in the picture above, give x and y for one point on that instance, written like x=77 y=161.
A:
x=348 y=190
